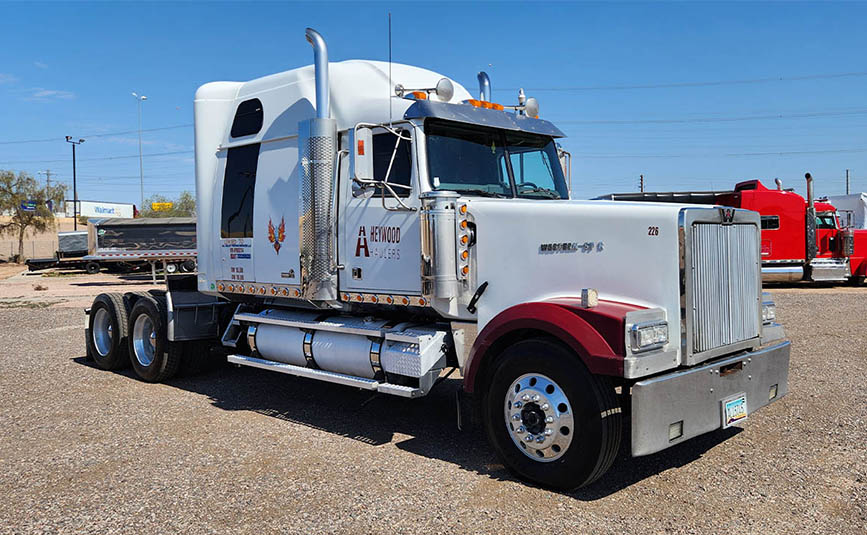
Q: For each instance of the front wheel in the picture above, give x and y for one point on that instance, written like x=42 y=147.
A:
x=549 y=419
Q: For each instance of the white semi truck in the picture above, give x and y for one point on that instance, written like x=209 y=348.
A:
x=378 y=226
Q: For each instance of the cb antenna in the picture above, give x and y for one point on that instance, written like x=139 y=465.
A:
x=389 y=69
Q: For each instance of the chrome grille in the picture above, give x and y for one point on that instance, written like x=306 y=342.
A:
x=725 y=296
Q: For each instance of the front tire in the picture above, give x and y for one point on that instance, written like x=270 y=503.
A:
x=153 y=358
x=548 y=418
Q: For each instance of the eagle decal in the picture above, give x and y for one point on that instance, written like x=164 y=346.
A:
x=276 y=236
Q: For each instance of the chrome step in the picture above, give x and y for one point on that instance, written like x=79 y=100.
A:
x=830 y=269
x=329 y=377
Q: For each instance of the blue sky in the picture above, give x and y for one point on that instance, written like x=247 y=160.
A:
x=692 y=95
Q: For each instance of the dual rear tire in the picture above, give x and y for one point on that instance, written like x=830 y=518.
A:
x=131 y=329
x=153 y=357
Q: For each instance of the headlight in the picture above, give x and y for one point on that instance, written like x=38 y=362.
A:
x=769 y=309
x=650 y=335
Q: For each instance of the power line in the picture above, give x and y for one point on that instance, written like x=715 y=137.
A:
x=670 y=85
x=717 y=119
x=731 y=154
x=103 y=158
x=106 y=134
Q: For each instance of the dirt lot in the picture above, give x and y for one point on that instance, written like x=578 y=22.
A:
x=249 y=451
x=67 y=288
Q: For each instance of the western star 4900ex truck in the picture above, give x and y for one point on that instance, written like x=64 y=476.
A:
x=376 y=226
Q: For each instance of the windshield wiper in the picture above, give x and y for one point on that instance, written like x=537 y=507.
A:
x=482 y=193
x=551 y=194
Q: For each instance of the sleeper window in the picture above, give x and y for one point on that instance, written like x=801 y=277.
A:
x=238 y=188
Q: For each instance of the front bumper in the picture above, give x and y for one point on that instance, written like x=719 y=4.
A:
x=694 y=396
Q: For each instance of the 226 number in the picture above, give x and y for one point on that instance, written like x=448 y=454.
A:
x=653 y=231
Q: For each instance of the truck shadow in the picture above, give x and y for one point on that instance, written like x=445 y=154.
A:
x=125 y=282
x=429 y=422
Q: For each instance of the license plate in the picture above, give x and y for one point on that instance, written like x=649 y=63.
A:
x=734 y=409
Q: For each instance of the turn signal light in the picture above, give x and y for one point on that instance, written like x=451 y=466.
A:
x=484 y=104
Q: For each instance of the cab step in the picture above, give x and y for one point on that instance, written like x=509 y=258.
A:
x=329 y=377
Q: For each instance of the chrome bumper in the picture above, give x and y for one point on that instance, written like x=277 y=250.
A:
x=694 y=396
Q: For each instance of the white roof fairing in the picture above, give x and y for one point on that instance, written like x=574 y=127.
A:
x=359 y=90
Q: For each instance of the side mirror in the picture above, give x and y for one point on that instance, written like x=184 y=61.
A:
x=361 y=165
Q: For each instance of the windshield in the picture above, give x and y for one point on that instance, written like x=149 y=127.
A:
x=826 y=220
x=488 y=162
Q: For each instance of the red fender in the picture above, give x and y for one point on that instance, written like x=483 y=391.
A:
x=595 y=334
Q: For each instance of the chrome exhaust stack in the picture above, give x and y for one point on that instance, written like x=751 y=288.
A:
x=779 y=184
x=810 y=223
x=317 y=145
x=484 y=87
x=320 y=65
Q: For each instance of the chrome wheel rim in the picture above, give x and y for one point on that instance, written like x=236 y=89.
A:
x=539 y=417
x=102 y=332
x=144 y=340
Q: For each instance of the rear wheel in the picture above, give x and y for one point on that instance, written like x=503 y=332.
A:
x=150 y=353
x=92 y=268
x=549 y=419
x=107 y=340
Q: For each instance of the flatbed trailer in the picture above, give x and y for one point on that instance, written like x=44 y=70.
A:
x=167 y=243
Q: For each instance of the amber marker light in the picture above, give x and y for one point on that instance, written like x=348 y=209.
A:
x=464 y=223
x=463 y=209
x=465 y=255
x=465 y=270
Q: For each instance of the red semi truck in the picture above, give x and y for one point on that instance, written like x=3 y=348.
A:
x=801 y=239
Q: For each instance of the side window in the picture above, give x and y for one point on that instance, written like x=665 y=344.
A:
x=385 y=146
x=248 y=118
x=238 y=187
x=770 y=222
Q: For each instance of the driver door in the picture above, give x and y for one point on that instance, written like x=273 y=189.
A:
x=380 y=247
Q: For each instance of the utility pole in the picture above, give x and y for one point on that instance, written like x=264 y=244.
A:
x=47 y=174
x=847 y=182
x=641 y=183
x=140 y=99
x=74 y=184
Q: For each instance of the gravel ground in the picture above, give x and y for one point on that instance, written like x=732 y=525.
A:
x=250 y=451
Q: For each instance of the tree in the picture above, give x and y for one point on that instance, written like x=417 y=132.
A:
x=27 y=205
x=183 y=206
